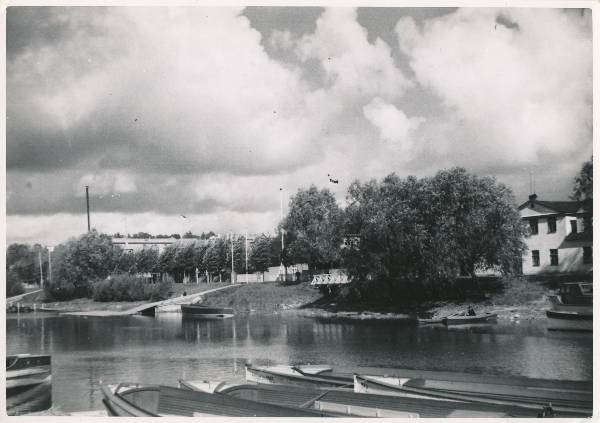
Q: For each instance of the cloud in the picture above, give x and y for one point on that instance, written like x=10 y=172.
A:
x=393 y=124
x=352 y=65
x=515 y=83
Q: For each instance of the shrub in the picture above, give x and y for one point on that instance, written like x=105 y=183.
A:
x=125 y=287
x=13 y=284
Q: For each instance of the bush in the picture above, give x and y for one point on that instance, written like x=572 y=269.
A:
x=125 y=287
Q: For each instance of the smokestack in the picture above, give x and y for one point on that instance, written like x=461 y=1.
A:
x=87 y=202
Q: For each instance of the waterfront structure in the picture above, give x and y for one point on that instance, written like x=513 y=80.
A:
x=137 y=244
x=560 y=236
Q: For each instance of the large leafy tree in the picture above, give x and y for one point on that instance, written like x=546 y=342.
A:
x=81 y=262
x=584 y=182
x=313 y=228
x=433 y=229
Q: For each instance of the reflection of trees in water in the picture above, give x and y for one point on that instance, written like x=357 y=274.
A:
x=198 y=330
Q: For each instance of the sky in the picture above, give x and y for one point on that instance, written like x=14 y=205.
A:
x=192 y=119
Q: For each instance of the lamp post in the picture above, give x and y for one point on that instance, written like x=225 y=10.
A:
x=246 y=242
x=281 y=266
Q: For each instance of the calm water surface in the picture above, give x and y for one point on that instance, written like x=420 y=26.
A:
x=88 y=350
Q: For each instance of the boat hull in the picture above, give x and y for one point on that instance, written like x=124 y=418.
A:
x=28 y=383
x=570 y=321
x=469 y=320
x=268 y=376
x=201 y=312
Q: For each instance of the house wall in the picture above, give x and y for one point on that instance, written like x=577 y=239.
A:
x=570 y=254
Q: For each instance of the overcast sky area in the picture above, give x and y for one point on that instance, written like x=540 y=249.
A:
x=206 y=113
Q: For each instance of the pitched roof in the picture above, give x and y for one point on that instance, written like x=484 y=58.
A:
x=568 y=207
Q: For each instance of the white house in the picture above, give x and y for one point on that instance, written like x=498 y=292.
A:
x=560 y=236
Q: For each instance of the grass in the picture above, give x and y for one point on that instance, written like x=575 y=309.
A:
x=267 y=297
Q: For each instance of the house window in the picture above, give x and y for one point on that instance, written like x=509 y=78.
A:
x=533 y=224
x=535 y=258
x=553 y=257
x=551 y=224
x=587 y=255
x=573 y=226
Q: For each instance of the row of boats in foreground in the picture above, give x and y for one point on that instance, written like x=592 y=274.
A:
x=28 y=383
x=319 y=391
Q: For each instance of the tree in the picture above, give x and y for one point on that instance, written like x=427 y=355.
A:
x=583 y=188
x=146 y=260
x=81 y=262
x=433 y=229
x=215 y=257
x=260 y=254
x=313 y=228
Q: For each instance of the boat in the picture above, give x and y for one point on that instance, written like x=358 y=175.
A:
x=202 y=312
x=430 y=321
x=28 y=383
x=570 y=321
x=564 y=405
x=313 y=375
x=458 y=319
x=344 y=402
x=294 y=375
x=135 y=400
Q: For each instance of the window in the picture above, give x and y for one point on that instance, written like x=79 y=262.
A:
x=533 y=224
x=535 y=258
x=553 y=257
x=587 y=255
x=552 y=224
x=573 y=226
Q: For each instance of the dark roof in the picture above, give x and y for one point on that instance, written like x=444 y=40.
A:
x=580 y=236
x=567 y=207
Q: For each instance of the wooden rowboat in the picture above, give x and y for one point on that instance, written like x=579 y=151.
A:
x=133 y=400
x=348 y=403
x=202 y=312
x=575 y=405
x=28 y=383
x=295 y=376
x=570 y=321
x=469 y=320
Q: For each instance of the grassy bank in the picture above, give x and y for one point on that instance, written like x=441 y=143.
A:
x=268 y=297
x=87 y=304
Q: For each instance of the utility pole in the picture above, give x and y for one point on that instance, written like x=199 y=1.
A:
x=41 y=272
x=232 y=271
x=282 y=269
x=50 y=248
x=246 y=256
x=87 y=202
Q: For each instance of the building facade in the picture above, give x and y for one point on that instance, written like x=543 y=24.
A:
x=560 y=236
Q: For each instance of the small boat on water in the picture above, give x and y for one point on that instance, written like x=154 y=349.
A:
x=293 y=375
x=430 y=321
x=572 y=308
x=345 y=402
x=202 y=312
x=134 y=400
x=570 y=321
x=28 y=383
x=564 y=405
x=461 y=319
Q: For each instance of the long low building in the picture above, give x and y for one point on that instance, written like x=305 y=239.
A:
x=560 y=236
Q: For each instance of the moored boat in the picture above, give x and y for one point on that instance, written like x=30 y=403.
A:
x=134 y=400
x=28 y=383
x=457 y=319
x=202 y=312
x=574 y=404
x=294 y=376
x=570 y=321
x=345 y=402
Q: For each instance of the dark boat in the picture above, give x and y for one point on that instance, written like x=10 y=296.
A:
x=570 y=321
x=133 y=400
x=457 y=319
x=28 y=383
x=202 y=312
x=565 y=404
x=346 y=402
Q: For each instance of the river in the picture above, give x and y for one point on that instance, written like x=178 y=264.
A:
x=87 y=350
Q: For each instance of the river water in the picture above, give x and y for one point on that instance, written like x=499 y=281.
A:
x=87 y=350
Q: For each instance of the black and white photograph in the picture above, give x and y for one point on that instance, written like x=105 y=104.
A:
x=286 y=210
